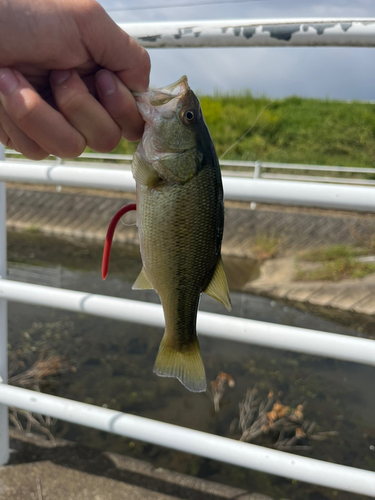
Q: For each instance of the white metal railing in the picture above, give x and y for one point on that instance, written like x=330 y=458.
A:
x=237 y=329
x=220 y=326
x=254 y=168
x=310 y=194
x=334 y=32
x=318 y=32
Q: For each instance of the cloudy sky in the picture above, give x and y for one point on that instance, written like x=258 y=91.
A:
x=336 y=73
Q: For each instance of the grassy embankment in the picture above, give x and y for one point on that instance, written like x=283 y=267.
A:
x=292 y=130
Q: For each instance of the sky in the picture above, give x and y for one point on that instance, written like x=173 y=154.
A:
x=326 y=72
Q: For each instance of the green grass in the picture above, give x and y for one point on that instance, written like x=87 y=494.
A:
x=333 y=252
x=337 y=262
x=337 y=270
x=292 y=130
x=266 y=246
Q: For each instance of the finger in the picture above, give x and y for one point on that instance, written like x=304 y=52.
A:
x=4 y=137
x=41 y=123
x=120 y=104
x=115 y=50
x=84 y=112
x=137 y=76
x=20 y=141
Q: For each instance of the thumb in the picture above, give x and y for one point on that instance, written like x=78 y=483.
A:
x=113 y=49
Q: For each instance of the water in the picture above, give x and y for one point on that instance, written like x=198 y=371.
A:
x=111 y=365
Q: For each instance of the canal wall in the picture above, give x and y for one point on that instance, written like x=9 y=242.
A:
x=78 y=213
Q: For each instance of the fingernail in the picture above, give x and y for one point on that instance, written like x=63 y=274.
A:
x=59 y=76
x=8 y=81
x=106 y=83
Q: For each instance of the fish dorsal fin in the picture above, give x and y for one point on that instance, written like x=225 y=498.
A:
x=218 y=287
x=143 y=172
x=142 y=282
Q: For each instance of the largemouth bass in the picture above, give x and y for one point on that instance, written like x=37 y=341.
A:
x=180 y=218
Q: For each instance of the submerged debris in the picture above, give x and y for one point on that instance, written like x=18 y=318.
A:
x=217 y=387
x=39 y=371
x=267 y=420
x=42 y=370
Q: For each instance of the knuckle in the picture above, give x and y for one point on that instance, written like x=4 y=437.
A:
x=69 y=102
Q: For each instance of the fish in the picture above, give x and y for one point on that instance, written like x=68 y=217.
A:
x=180 y=219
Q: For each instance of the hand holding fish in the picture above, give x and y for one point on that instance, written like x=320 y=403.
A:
x=67 y=73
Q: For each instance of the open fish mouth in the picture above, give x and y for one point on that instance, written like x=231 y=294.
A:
x=163 y=101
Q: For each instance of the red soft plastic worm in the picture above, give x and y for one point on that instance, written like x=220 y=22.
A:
x=109 y=237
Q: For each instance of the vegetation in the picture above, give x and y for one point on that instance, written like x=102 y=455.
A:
x=292 y=130
x=336 y=262
x=266 y=246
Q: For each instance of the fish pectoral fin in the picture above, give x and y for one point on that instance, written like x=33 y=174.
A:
x=143 y=172
x=142 y=282
x=218 y=287
x=184 y=364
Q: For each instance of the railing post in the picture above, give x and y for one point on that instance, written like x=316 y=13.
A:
x=4 y=430
x=257 y=168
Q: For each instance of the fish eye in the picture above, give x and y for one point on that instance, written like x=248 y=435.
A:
x=189 y=116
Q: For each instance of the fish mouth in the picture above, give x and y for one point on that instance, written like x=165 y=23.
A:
x=166 y=94
x=162 y=101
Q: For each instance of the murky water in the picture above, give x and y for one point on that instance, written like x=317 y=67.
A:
x=112 y=366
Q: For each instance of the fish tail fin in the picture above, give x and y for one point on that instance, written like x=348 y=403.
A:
x=185 y=364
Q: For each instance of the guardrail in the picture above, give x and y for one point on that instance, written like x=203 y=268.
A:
x=248 y=168
x=318 y=32
x=270 y=33
x=309 y=194
x=241 y=330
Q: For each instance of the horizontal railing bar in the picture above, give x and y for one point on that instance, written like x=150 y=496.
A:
x=199 y=443
x=294 y=193
x=318 y=168
x=306 y=178
x=229 y=163
x=335 y=196
x=52 y=173
x=306 y=32
x=342 y=347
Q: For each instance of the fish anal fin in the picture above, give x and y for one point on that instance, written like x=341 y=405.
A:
x=218 y=287
x=143 y=172
x=184 y=364
x=142 y=282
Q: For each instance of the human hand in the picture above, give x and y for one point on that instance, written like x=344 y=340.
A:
x=66 y=76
